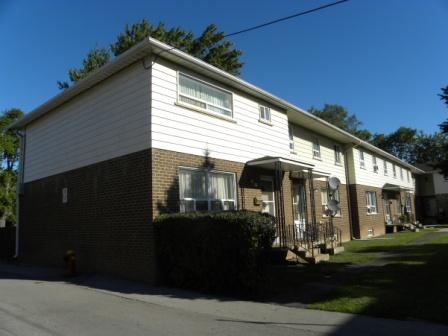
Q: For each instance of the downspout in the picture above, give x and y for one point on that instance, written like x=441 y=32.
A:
x=347 y=180
x=19 y=186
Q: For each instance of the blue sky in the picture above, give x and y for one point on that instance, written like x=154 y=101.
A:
x=383 y=60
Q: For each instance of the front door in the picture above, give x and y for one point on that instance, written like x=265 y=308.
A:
x=387 y=212
x=299 y=206
x=267 y=196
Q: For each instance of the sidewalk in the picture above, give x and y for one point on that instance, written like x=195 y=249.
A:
x=309 y=322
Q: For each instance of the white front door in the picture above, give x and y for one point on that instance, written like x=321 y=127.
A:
x=267 y=196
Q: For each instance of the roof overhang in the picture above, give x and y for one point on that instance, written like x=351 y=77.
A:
x=395 y=187
x=284 y=164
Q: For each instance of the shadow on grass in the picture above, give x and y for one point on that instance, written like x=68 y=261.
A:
x=407 y=283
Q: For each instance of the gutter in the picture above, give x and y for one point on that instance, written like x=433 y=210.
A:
x=19 y=188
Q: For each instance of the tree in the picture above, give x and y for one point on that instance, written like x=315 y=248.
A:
x=210 y=46
x=339 y=116
x=9 y=151
x=400 y=143
x=442 y=165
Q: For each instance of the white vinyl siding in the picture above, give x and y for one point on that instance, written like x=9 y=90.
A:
x=368 y=177
x=109 y=120
x=206 y=190
x=371 y=204
x=302 y=141
x=204 y=96
x=180 y=129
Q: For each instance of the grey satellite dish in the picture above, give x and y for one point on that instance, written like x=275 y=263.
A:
x=333 y=183
x=333 y=205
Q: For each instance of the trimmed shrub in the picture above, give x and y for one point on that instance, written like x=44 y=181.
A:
x=214 y=252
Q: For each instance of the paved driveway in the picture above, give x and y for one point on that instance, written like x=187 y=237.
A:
x=37 y=301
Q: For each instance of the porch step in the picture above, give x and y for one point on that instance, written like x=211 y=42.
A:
x=335 y=250
x=318 y=258
x=306 y=252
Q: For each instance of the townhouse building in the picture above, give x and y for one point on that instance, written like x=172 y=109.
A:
x=156 y=131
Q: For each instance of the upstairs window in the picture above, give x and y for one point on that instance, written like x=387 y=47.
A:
x=407 y=175
x=375 y=165
x=206 y=190
x=316 y=148
x=265 y=114
x=337 y=154
x=199 y=94
x=385 y=167
x=291 y=137
x=401 y=173
x=371 y=202
x=362 y=163
x=394 y=171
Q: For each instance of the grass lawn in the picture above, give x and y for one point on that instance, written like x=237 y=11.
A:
x=413 y=284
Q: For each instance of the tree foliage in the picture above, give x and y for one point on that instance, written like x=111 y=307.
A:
x=442 y=165
x=400 y=143
x=210 y=46
x=9 y=149
x=339 y=117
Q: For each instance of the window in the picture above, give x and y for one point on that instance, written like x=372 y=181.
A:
x=385 y=167
x=316 y=148
x=401 y=173
x=337 y=155
x=407 y=176
x=375 y=165
x=265 y=114
x=371 y=202
x=204 y=96
x=205 y=190
x=324 y=198
x=291 y=137
x=394 y=171
x=362 y=163
x=408 y=203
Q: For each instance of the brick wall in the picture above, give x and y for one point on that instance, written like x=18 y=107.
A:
x=362 y=221
x=106 y=220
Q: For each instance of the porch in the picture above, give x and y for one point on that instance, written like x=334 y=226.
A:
x=292 y=202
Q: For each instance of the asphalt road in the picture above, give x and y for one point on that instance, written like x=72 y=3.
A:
x=45 y=305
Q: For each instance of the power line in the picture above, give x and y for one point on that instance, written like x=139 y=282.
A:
x=286 y=18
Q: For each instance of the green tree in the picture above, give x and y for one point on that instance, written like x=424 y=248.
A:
x=339 y=116
x=210 y=46
x=9 y=149
x=400 y=143
x=442 y=165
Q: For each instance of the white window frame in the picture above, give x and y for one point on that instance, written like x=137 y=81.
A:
x=394 y=170
x=401 y=174
x=407 y=176
x=337 y=155
x=265 y=114
x=209 y=199
x=291 y=138
x=324 y=201
x=385 y=168
x=375 y=164
x=362 y=162
x=202 y=105
x=316 y=148
x=371 y=202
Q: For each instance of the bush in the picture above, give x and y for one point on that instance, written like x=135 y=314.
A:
x=214 y=252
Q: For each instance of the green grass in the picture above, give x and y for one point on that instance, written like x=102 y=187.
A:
x=412 y=285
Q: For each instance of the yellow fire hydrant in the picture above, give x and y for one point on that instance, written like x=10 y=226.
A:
x=70 y=262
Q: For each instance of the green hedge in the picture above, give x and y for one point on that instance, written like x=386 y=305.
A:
x=214 y=252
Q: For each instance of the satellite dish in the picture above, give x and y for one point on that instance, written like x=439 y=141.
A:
x=333 y=183
x=333 y=205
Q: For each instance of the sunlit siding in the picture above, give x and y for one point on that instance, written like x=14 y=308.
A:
x=181 y=129
x=107 y=121
x=303 y=151
x=366 y=176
